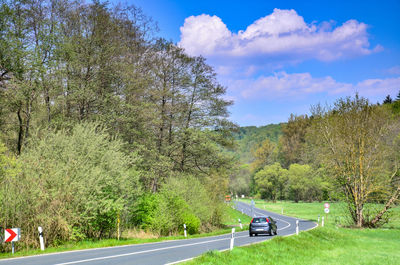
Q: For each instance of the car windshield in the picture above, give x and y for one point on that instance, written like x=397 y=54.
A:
x=260 y=220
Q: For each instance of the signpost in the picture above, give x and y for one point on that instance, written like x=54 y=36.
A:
x=12 y=235
x=326 y=210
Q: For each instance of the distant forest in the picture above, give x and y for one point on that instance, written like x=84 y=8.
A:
x=249 y=138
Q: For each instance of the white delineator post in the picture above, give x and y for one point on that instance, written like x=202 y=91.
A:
x=322 y=222
x=297 y=227
x=240 y=223
x=184 y=227
x=40 y=229
x=232 y=238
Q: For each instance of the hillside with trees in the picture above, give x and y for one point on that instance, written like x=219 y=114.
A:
x=346 y=152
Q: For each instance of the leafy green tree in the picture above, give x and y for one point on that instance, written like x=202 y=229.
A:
x=306 y=184
x=356 y=143
x=271 y=181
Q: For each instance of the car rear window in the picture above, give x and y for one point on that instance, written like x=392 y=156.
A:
x=260 y=220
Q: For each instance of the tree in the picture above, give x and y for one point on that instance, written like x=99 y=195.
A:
x=263 y=155
x=388 y=100
x=239 y=182
x=356 y=142
x=271 y=181
x=398 y=97
x=293 y=139
x=304 y=183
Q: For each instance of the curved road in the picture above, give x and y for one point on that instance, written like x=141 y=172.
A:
x=168 y=252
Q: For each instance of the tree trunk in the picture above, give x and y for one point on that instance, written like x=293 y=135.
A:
x=386 y=207
x=20 y=132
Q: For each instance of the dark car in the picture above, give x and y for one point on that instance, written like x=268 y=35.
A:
x=262 y=225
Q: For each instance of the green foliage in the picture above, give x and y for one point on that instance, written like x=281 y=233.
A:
x=356 y=142
x=145 y=210
x=74 y=185
x=181 y=200
x=271 y=181
x=250 y=138
x=239 y=182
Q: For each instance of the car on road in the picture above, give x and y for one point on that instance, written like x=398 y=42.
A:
x=263 y=225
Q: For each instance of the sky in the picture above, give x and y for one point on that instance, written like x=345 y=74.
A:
x=282 y=57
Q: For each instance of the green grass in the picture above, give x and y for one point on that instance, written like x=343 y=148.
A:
x=228 y=221
x=232 y=217
x=310 y=211
x=324 y=245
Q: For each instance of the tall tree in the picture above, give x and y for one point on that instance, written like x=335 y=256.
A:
x=355 y=140
x=388 y=100
x=293 y=139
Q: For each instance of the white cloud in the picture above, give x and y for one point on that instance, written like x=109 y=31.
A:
x=281 y=34
x=395 y=70
x=282 y=85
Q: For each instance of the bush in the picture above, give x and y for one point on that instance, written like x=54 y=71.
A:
x=75 y=184
x=181 y=200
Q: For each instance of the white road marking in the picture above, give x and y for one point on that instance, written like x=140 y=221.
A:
x=144 y=251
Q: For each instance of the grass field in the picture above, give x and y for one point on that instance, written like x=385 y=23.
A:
x=324 y=245
x=311 y=211
x=229 y=219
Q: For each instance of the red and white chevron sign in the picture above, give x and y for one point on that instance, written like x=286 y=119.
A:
x=12 y=234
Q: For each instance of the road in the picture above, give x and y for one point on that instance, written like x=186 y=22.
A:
x=163 y=252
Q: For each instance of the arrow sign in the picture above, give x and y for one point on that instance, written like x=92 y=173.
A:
x=11 y=235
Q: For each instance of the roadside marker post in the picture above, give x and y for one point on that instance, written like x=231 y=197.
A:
x=240 y=223
x=322 y=223
x=232 y=238
x=40 y=229
x=184 y=227
x=297 y=227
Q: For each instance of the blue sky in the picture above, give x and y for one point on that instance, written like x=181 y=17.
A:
x=281 y=57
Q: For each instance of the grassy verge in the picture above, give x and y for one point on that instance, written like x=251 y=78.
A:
x=232 y=216
x=229 y=219
x=324 y=245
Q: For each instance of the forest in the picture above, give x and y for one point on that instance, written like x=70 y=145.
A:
x=102 y=122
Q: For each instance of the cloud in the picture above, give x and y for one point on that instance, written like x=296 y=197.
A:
x=395 y=70
x=282 y=34
x=295 y=86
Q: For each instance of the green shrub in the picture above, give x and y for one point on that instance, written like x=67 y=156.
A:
x=75 y=183
x=192 y=222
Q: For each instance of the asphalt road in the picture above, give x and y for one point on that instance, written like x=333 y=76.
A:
x=163 y=252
